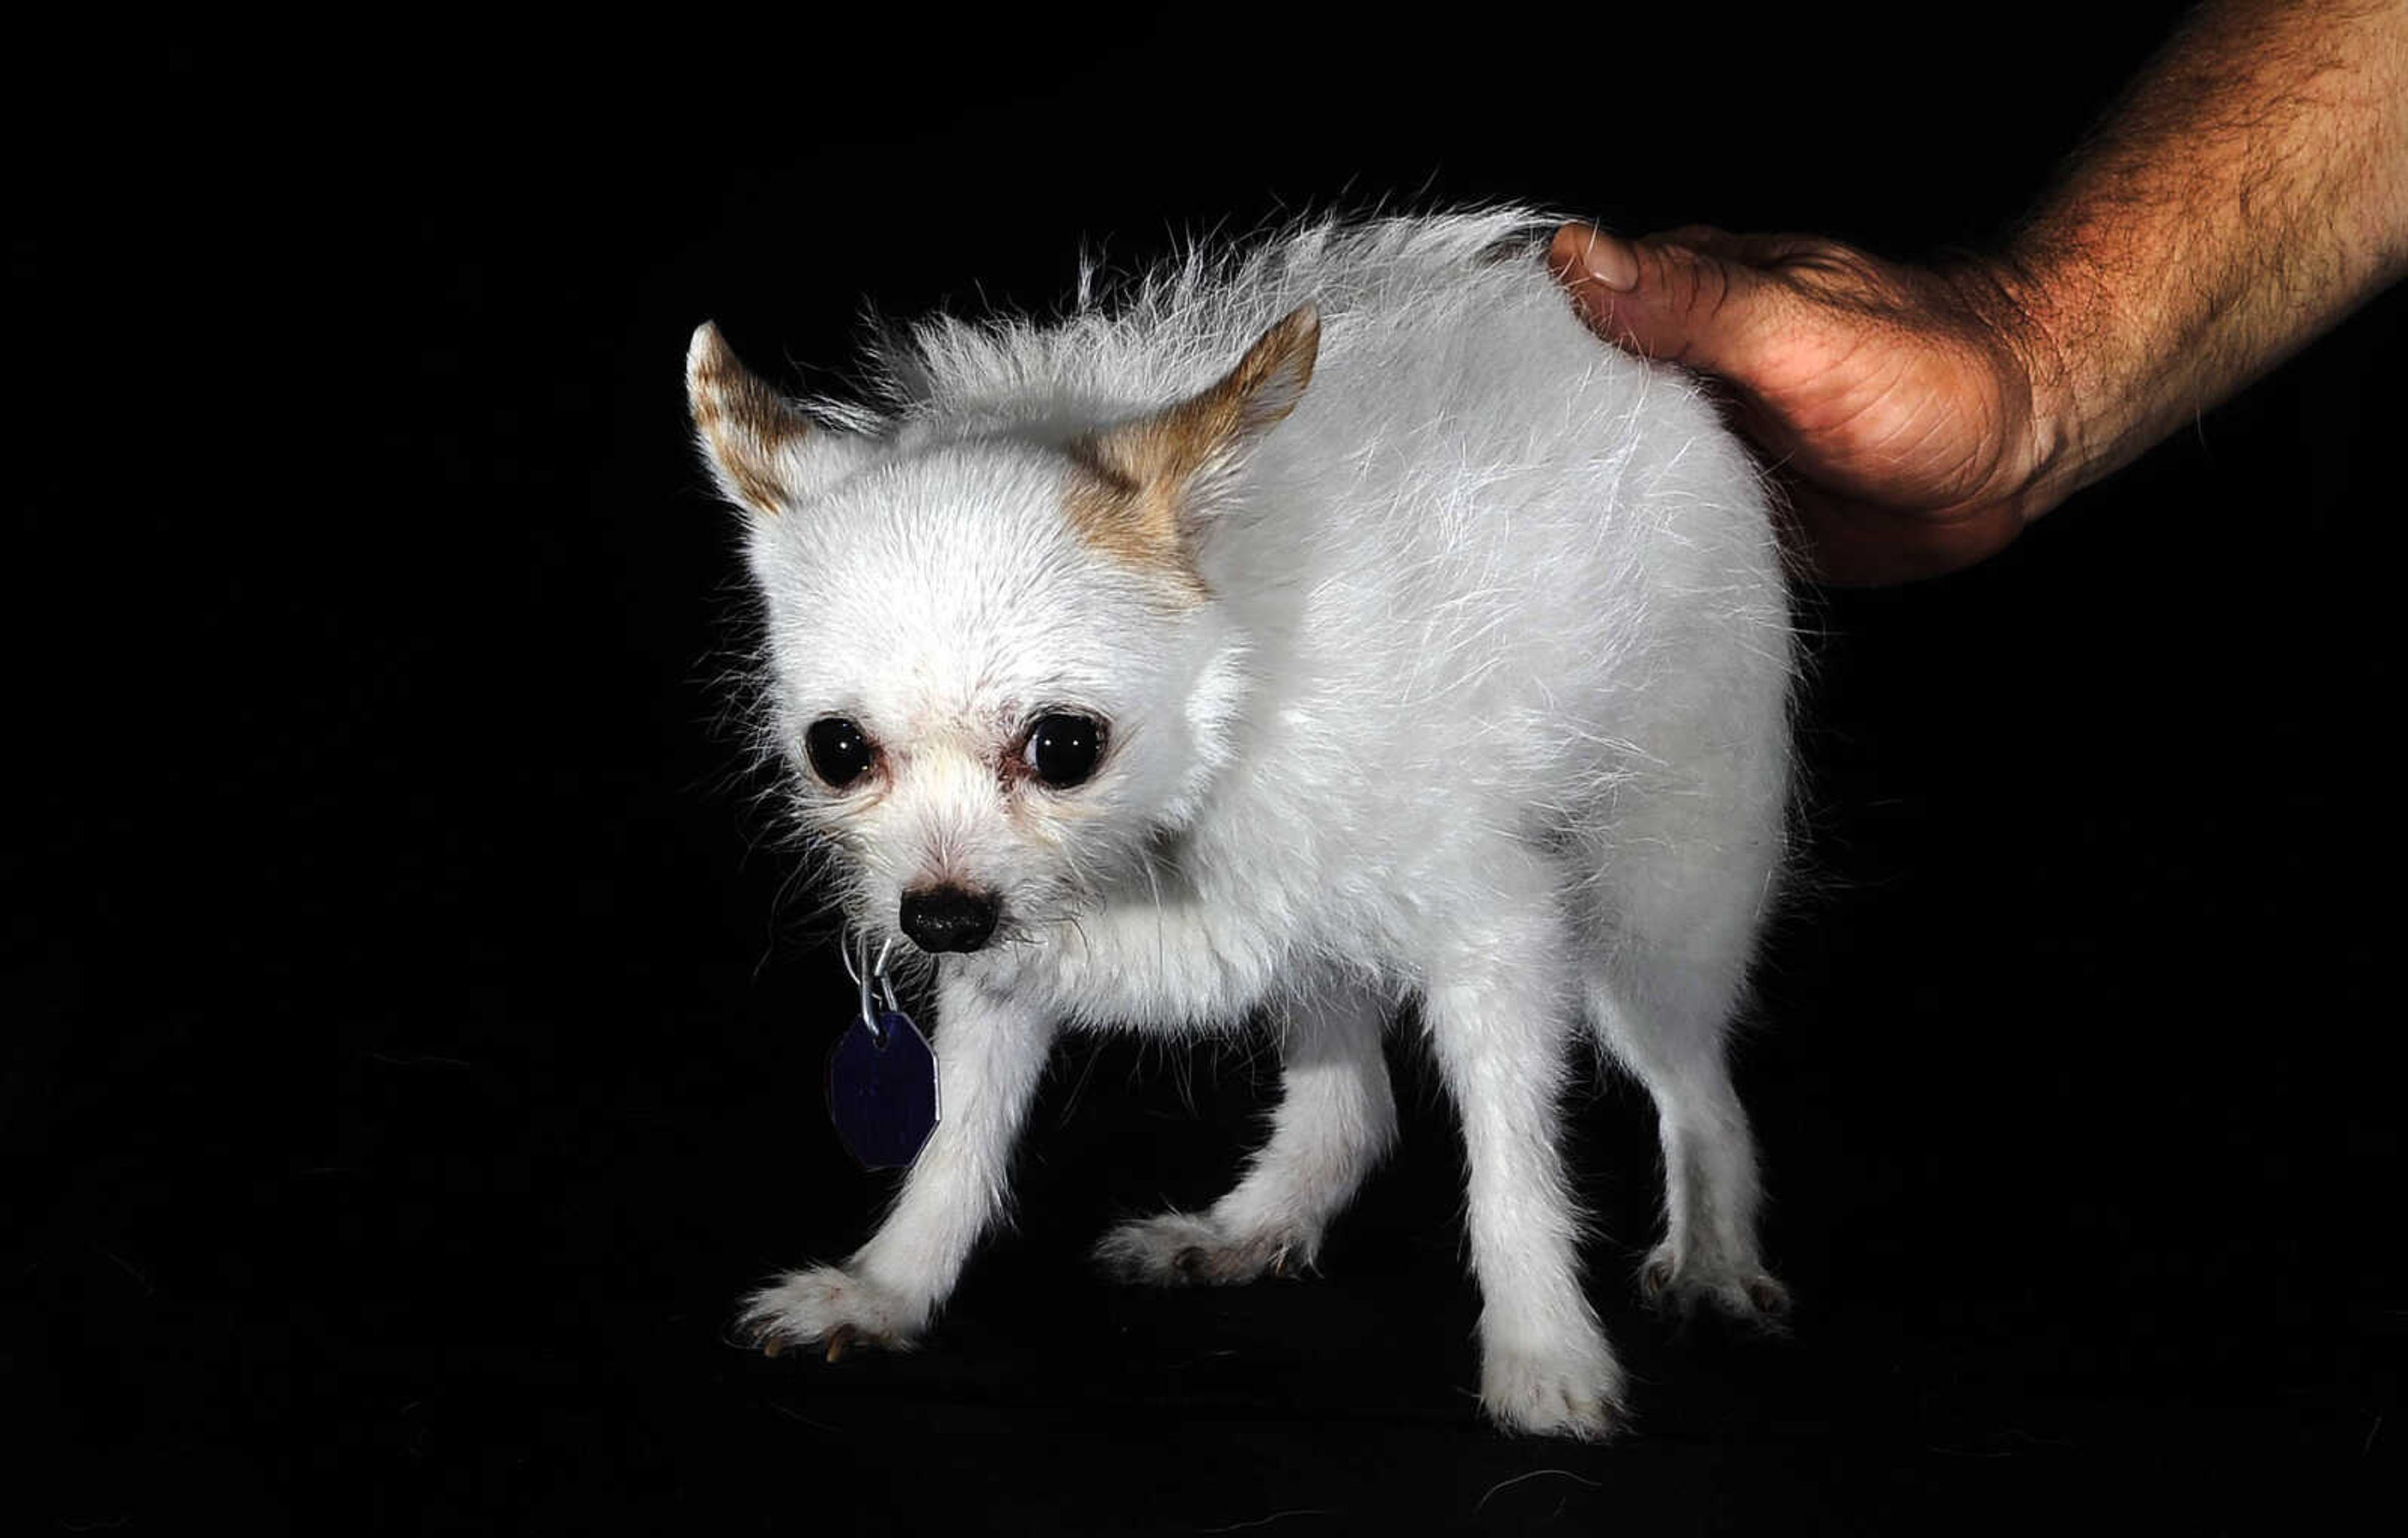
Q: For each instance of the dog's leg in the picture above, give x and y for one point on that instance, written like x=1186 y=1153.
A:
x=1681 y=901
x=1501 y=1012
x=989 y=1054
x=1335 y=1120
x=1665 y=1014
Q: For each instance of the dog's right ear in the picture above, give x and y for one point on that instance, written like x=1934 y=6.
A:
x=763 y=452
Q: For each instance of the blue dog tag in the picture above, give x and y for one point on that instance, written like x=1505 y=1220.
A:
x=882 y=1091
x=881 y=1084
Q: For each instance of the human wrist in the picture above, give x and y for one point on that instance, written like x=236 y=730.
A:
x=2027 y=312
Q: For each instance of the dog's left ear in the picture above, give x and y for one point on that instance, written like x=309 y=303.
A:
x=763 y=452
x=1156 y=470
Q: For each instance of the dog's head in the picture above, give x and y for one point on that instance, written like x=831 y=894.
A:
x=992 y=659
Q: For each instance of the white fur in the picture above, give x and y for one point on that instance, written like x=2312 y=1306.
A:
x=1486 y=709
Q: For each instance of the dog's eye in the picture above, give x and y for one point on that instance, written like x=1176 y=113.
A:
x=839 y=750
x=1063 y=748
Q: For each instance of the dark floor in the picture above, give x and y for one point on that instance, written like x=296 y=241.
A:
x=414 y=1041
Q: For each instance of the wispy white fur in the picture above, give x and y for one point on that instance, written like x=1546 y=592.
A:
x=1486 y=709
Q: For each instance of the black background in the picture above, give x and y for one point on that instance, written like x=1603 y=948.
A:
x=414 y=1039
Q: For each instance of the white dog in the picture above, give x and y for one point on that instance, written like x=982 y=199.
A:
x=1309 y=630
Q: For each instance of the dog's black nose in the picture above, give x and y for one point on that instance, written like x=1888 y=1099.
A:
x=948 y=918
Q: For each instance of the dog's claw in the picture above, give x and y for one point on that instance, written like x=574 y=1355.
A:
x=1770 y=1297
x=843 y=1338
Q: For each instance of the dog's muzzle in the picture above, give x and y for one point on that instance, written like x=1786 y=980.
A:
x=949 y=919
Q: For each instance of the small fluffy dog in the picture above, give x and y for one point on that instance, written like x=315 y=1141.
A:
x=1307 y=629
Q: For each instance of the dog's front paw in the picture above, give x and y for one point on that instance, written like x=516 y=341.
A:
x=1181 y=1249
x=1575 y=1394
x=830 y=1305
x=1741 y=1291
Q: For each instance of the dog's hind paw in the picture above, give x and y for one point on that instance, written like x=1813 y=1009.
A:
x=1746 y=1294
x=1182 y=1249
x=828 y=1305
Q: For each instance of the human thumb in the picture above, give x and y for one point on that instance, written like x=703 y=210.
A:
x=1664 y=298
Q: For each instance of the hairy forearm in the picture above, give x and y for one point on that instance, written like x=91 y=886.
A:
x=2248 y=191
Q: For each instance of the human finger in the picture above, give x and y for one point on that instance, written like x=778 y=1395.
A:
x=1665 y=301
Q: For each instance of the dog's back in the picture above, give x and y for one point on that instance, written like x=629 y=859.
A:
x=1494 y=578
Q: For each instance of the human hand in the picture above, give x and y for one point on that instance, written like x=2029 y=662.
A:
x=1908 y=411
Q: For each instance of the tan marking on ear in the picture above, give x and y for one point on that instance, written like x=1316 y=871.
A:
x=746 y=424
x=1133 y=523
x=1129 y=483
x=1173 y=444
